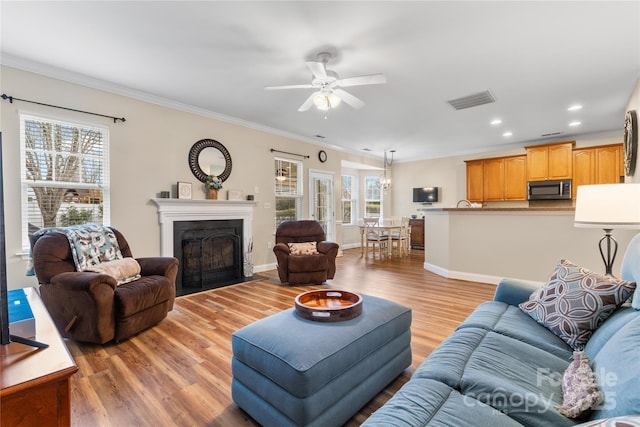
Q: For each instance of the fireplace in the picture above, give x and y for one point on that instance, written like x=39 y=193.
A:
x=210 y=254
x=220 y=241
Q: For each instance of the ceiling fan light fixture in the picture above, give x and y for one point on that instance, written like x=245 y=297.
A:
x=326 y=101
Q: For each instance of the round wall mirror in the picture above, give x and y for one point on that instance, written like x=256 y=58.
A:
x=209 y=157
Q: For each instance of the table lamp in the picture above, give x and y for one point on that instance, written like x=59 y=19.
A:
x=608 y=206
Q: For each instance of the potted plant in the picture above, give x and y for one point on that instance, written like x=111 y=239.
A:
x=212 y=183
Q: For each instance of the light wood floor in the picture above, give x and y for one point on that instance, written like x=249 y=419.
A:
x=179 y=372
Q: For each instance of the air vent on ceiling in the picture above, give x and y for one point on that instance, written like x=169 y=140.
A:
x=544 y=135
x=472 y=100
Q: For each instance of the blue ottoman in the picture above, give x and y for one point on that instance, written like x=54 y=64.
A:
x=289 y=371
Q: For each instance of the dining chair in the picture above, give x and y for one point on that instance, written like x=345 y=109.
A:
x=401 y=240
x=374 y=236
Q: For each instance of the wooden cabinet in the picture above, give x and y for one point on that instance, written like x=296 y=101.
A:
x=35 y=382
x=417 y=233
x=497 y=179
x=475 y=175
x=597 y=165
x=552 y=161
x=493 y=180
x=515 y=178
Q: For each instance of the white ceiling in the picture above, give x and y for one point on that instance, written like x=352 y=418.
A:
x=537 y=59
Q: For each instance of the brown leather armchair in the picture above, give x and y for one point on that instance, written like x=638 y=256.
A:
x=299 y=269
x=88 y=306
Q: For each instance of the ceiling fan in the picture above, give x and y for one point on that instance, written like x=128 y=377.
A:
x=327 y=84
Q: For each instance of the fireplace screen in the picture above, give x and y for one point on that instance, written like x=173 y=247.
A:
x=210 y=254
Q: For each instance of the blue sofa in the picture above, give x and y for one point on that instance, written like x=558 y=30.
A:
x=501 y=368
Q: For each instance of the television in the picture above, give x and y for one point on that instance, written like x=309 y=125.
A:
x=5 y=336
x=425 y=195
x=4 y=308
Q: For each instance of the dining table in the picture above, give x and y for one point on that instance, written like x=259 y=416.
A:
x=385 y=226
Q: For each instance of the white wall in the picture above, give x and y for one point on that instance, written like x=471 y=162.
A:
x=149 y=154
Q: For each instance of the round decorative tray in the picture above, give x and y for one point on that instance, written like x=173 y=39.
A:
x=328 y=305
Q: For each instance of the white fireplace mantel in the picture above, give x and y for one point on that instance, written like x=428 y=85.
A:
x=170 y=210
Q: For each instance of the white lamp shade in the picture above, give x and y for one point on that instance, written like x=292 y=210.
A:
x=608 y=206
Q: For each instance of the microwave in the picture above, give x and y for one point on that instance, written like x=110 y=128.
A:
x=551 y=189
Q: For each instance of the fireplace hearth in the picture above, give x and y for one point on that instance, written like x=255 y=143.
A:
x=210 y=254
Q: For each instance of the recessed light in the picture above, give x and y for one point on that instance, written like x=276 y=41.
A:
x=575 y=107
x=575 y=123
x=496 y=122
x=366 y=149
x=508 y=133
x=319 y=136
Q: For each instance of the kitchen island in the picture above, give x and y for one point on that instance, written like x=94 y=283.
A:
x=487 y=244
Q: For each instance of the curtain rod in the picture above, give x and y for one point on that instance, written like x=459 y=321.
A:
x=273 y=150
x=11 y=99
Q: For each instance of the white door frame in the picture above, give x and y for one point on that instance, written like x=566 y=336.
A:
x=331 y=217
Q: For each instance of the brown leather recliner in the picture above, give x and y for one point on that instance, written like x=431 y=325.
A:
x=300 y=269
x=88 y=306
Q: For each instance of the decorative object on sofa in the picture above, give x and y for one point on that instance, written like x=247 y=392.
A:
x=184 y=190
x=328 y=305
x=502 y=368
x=89 y=306
x=580 y=392
x=208 y=157
x=300 y=269
x=212 y=183
x=328 y=94
x=575 y=301
x=608 y=206
x=289 y=371
x=630 y=142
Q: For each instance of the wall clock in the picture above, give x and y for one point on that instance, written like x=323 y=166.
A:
x=630 y=142
x=322 y=156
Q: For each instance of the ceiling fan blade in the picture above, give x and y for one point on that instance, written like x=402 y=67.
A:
x=372 y=79
x=308 y=103
x=317 y=69
x=348 y=98
x=305 y=86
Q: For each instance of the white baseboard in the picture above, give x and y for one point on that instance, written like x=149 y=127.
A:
x=461 y=275
x=350 y=246
x=264 y=267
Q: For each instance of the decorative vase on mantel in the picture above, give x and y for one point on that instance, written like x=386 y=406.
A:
x=212 y=194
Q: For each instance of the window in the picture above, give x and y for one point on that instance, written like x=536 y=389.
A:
x=349 y=200
x=372 y=197
x=64 y=174
x=288 y=179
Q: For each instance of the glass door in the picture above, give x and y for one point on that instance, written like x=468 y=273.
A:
x=321 y=201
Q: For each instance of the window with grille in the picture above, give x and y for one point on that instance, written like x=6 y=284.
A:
x=349 y=199
x=372 y=197
x=288 y=185
x=64 y=174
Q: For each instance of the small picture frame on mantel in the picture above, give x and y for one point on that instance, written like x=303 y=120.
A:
x=184 y=190
x=234 y=195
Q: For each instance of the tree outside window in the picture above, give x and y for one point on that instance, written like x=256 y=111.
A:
x=64 y=174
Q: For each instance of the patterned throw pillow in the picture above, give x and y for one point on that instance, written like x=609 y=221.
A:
x=580 y=391
x=306 y=248
x=575 y=301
